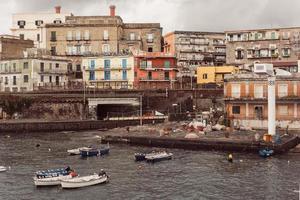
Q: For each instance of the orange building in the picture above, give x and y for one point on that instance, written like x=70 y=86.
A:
x=155 y=70
x=246 y=97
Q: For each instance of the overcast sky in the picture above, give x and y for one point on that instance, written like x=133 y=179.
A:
x=198 y=15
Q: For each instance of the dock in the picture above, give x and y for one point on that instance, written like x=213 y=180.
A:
x=216 y=144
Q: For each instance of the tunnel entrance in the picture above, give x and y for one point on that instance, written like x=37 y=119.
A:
x=113 y=110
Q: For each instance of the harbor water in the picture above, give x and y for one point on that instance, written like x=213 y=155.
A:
x=189 y=175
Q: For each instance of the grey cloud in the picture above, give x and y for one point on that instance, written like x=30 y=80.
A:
x=202 y=15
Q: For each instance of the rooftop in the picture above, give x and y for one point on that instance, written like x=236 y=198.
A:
x=260 y=29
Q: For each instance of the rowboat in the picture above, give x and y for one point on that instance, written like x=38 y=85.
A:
x=3 y=169
x=94 y=152
x=77 y=151
x=266 y=153
x=84 y=181
x=158 y=157
x=50 y=181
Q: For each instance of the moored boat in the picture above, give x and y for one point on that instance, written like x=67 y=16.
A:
x=142 y=156
x=53 y=172
x=84 y=181
x=94 y=152
x=158 y=157
x=50 y=181
x=3 y=169
x=77 y=151
x=266 y=153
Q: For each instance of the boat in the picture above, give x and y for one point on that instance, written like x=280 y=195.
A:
x=266 y=153
x=3 y=169
x=50 y=181
x=158 y=157
x=53 y=172
x=77 y=151
x=84 y=181
x=94 y=151
x=142 y=156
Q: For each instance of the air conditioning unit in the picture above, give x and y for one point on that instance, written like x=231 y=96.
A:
x=261 y=68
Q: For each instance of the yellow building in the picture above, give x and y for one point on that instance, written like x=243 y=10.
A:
x=110 y=72
x=214 y=74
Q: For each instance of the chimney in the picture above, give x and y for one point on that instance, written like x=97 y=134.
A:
x=57 y=9
x=112 y=10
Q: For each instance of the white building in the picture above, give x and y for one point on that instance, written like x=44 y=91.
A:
x=29 y=74
x=32 y=25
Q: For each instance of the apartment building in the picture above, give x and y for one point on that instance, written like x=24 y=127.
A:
x=155 y=70
x=109 y=72
x=13 y=47
x=276 y=45
x=194 y=48
x=246 y=100
x=31 y=26
x=214 y=74
x=33 y=73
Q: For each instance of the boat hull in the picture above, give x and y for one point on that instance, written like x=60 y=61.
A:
x=94 y=152
x=73 y=183
x=52 y=181
x=140 y=157
x=159 y=157
x=3 y=169
x=73 y=152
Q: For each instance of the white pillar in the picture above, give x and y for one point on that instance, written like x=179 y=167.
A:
x=271 y=105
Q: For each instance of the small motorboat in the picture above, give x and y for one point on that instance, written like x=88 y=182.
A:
x=158 y=157
x=95 y=152
x=73 y=152
x=142 y=156
x=3 y=169
x=84 y=181
x=50 y=181
x=53 y=172
x=266 y=153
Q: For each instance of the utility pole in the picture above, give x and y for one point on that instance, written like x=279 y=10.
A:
x=141 y=110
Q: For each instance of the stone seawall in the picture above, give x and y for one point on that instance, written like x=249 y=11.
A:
x=54 y=126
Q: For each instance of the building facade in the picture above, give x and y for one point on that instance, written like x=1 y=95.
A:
x=246 y=100
x=155 y=71
x=31 y=26
x=13 y=47
x=109 y=72
x=246 y=47
x=29 y=74
x=196 y=48
x=214 y=74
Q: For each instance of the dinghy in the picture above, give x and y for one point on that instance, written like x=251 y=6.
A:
x=84 y=181
x=3 y=169
x=158 y=157
x=77 y=151
x=95 y=152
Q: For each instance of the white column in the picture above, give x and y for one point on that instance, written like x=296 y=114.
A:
x=271 y=105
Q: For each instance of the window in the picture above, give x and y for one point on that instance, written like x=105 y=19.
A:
x=258 y=91
x=258 y=112
x=167 y=76
x=235 y=90
x=69 y=35
x=50 y=79
x=167 y=64
x=22 y=37
x=135 y=74
x=42 y=68
x=53 y=51
x=286 y=52
x=25 y=65
x=57 y=65
x=105 y=35
x=107 y=75
x=38 y=37
x=283 y=110
x=204 y=76
x=25 y=78
x=124 y=63
x=6 y=81
x=14 y=80
x=14 y=67
x=57 y=80
x=42 y=78
x=69 y=49
x=78 y=49
x=150 y=37
x=78 y=68
x=21 y=24
x=124 y=75
x=149 y=63
x=92 y=76
x=143 y=64
x=105 y=48
x=150 y=49
x=86 y=35
x=57 y=21
x=132 y=36
x=282 y=90
x=92 y=65
x=78 y=35
x=39 y=22
x=53 y=36
x=239 y=54
x=273 y=35
x=149 y=75
x=50 y=66
x=106 y=64
x=236 y=110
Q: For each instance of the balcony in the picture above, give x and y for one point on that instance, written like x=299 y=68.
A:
x=102 y=68
x=53 y=39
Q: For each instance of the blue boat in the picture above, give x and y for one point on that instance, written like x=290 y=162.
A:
x=266 y=153
x=53 y=172
x=95 y=152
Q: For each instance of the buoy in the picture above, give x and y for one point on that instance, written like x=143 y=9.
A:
x=230 y=159
x=49 y=149
x=288 y=162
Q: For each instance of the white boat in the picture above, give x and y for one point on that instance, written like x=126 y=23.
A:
x=77 y=151
x=84 y=181
x=3 y=169
x=159 y=157
x=50 y=181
